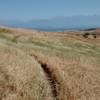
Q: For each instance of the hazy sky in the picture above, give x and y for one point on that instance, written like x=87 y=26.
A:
x=41 y=9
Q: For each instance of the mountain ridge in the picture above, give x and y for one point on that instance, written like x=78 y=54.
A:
x=60 y=22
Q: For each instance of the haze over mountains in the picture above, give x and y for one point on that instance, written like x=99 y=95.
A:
x=57 y=23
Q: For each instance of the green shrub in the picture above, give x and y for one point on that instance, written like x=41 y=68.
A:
x=3 y=30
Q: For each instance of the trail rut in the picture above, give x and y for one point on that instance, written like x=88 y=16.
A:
x=50 y=77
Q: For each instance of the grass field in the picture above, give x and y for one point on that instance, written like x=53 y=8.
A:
x=48 y=66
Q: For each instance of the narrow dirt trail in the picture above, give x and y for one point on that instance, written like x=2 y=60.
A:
x=51 y=80
x=50 y=77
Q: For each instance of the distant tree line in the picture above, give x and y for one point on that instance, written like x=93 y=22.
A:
x=87 y=35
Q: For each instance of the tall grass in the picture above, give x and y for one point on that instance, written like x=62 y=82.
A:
x=72 y=60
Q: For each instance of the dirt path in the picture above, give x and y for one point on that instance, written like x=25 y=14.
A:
x=50 y=77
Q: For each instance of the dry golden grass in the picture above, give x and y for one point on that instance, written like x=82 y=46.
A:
x=72 y=61
x=21 y=77
x=75 y=80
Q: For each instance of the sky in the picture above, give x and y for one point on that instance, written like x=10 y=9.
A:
x=45 y=9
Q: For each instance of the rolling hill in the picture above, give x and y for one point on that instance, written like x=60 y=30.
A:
x=37 y=65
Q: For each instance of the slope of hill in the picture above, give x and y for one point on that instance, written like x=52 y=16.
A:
x=21 y=77
x=66 y=63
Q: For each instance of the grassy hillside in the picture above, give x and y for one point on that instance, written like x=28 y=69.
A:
x=65 y=66
x=21 y=77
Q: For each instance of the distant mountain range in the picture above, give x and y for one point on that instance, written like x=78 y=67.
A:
x=57 y=23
